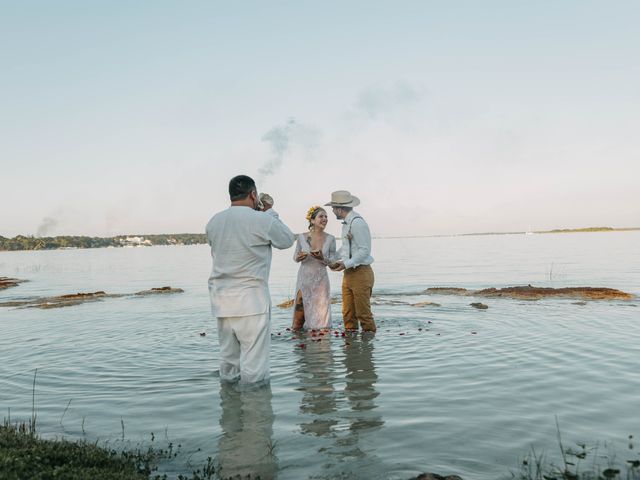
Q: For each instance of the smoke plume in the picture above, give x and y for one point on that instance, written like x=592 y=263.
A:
x=376 y=102
x=46 y=226
x=282 y=140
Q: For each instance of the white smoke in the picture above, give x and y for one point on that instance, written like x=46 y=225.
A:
x=47 y=225
x=282 y=140
x=376 y=102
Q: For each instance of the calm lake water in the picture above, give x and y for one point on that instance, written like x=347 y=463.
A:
x=424 y=394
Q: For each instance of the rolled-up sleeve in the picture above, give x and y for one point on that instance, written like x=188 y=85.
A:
x=279 y=234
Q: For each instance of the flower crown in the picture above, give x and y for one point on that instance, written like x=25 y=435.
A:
x=311 y=211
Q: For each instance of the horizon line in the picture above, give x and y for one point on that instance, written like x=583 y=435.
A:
x=555 y=230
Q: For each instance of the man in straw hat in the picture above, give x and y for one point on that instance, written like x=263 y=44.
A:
x=356 y=261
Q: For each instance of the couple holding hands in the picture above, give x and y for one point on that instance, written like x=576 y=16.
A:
x=316 y=250
x=241 y=240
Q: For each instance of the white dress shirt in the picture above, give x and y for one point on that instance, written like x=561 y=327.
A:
x=360 y=253
x=241 y=239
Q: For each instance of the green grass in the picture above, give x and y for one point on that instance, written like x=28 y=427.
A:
x=578 y=466
x=580 y=463
x=23 y=454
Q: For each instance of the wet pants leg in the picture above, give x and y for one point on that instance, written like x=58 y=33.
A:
x=357 y=285
x=348 y=307
x=244 y=347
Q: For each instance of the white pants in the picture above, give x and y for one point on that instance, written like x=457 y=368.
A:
x=244 y=347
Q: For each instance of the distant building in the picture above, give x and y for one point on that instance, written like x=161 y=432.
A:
x=135 y=242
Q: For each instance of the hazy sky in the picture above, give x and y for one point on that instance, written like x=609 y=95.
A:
x=442 y=116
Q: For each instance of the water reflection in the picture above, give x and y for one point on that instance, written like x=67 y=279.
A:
x=245 y=447
x=360 y=391
x=345 y=417
x=316 y=375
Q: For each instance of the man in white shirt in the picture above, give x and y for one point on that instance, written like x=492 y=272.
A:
x=241 y=239
x=356 y=260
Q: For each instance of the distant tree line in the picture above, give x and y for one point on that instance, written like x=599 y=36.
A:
x=22 y=242
x=587 y=229
x=176 y=239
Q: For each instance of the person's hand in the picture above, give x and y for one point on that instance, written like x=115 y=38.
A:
x=337 y=266
x=317 y=254
x=301 y=256
x=266 y=201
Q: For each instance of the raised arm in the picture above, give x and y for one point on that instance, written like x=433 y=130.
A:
x=279 y=234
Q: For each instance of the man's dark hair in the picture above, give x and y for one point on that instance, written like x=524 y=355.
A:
x=240 y=187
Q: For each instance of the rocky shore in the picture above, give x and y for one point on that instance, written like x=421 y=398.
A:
x=72 y=299
x=6 y=282
x=530 y=292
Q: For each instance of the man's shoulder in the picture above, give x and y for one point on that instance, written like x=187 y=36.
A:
x=228 y=216
x=358 y=224
x=239 y=215
x=218 y=216
x=356 y=216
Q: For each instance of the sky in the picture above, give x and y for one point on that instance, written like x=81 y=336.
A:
x=443 y=117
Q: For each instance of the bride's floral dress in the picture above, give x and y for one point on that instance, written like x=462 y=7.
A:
x=313 y=282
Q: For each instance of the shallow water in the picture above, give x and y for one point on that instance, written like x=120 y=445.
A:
x=447 y=389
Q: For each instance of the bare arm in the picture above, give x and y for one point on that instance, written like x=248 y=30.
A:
x=299 y=255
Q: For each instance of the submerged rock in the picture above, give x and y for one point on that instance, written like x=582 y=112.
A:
x=6 y=282
x=158 y=290
x=435 y=476
x=82 y=296
x=447 y=291
x=286 y=304
x=479 y=306
x=530 y=292
x=386 y=301
x=72 y=299
x=59 y=301
x=289 y=303
x=425 y=304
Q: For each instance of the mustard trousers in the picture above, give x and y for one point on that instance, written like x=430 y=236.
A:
x=357 y=285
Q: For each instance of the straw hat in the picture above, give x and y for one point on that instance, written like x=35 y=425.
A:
x=342 y=198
